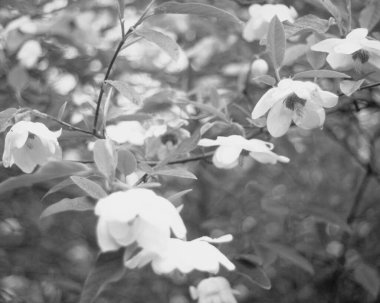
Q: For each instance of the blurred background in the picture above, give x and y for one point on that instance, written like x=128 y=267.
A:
x=56 y=52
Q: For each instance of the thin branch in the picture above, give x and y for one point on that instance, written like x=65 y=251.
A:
x=63 y=123
x=359 y=195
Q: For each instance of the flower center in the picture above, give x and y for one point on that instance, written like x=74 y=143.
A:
x=361 y=55
x=29 y=142
x=169 y=138
x=294 y=103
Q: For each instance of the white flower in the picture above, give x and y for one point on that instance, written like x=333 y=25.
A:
x=350 y=52
x=227 y=154
x=261 y=15
x=28 y=144
x=29 y=53
x=127 y=131
x=300 y=101
x=184 y=256
x=213 y=290
x=137 y=215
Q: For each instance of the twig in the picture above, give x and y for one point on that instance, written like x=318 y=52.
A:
x=359 y=195
x=116 y=53
x=63 y=123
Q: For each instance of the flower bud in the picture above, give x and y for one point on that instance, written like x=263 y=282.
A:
x=259 y=67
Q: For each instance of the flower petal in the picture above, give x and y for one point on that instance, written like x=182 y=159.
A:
x=208 y=142
x=268 y=157
x=105 y=241
x=357 y=34
x=23 y=160
x=312 y=116
x=279 y=120
x=226 y=156
x=340 y=61
x=347 y=47
x=122 y=233
x=326 y=45
x=327 y=99
x=268 y=100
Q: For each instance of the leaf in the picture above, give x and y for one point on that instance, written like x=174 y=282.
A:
x=368 y=278
x=176 y=172
x=308 y=23
x=370 y=15
x=316 y=59
x=160 y=101
x=6 y=117
x=269 y=80
x=348 y=87
x=208 y=108
x=163 y=41
x=333 y=10
x=121 y=7
x=125 y=90
x=51 y=170
x=199 y=9
x=105 y=157
x=276 y=42
x=89 y=187
x=189 y=144
x=126 y=162
x=61 y=111
x=248 y=268
x=177 y=196
x=61 y=185
x=291 y=255
x=328 y=216
x=109 y=268
x=321 y=73
x=67 y=204
x=293 y=53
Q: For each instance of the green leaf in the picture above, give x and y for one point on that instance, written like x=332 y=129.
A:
x=370 y=15
x=67 y=204
x=163 y=41
x=176 y=172
x=6 y=117
x=291 y=255
x=247 y=267
x=51 y=170
x=321 y=73
x=61 y=185
x=207 y=108
x=348 y=87
x=61 y=111
x=266 y=79
x=333 y=10
x=89 y=187
x=293 y=53
x=199 y=9
x=126 y=162
x=308 y=23
x=108 y=269
x=368 y=278
x=189 y=144
x=105 y=157
x=126 y=90
x=121 y=6
x=177 y=196
x=276 y=42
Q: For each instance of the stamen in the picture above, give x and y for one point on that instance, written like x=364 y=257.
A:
x=294 y=103
x=169 y=138
x=361 y=55
x=29 y=141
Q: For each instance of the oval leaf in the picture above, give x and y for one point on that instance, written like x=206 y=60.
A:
x=89 y=187
x=370 y=15
x=199 y=9
x=126 y=90
x=67 y=204
x=105 y=157
x=247 y=267
x=177 y=172
x=348 y=87
x=109 y=268
x=51 y=170
x=322 y=73
x=266 y=79
x=163 y=41
x=276 y=42
x=6 y=117
x=126 y=162
x=308 y=23
x=291 y=255
x=368 y=278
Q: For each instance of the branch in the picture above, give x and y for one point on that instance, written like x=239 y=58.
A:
x=359 y=195
x=63 y=123
x=116 y=53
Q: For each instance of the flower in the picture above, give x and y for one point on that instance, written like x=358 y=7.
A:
x=28 y=144
x=261 y=15
x=137 y=215
x=300 y=101
x=184 y=256
x=350 y=52
x=213 y=290
x=227 y=154
x=127 y=131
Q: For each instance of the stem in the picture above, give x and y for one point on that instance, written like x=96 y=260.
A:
x=359 y=195
x=67 y=125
